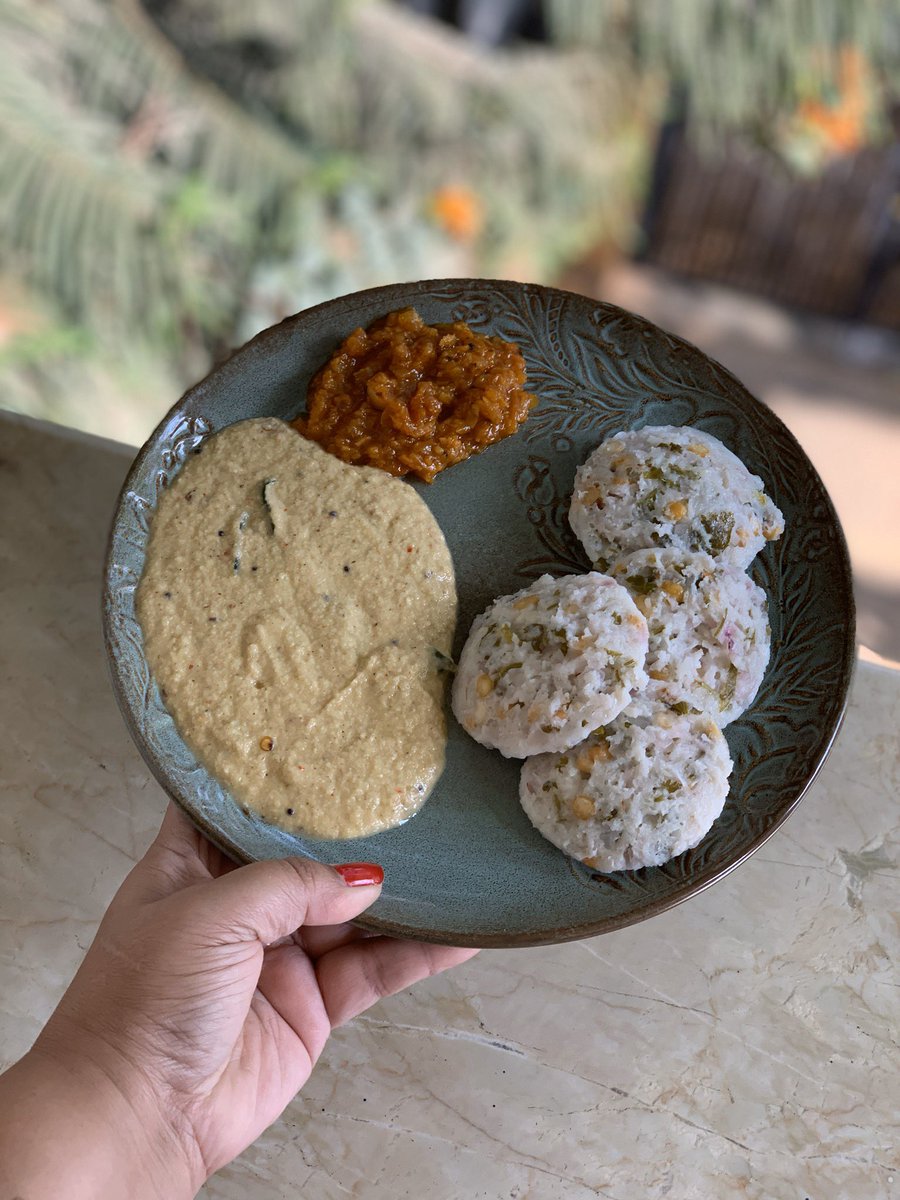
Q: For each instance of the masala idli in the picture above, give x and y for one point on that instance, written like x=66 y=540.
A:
x=709 y=632
x=635 y=793
x=669 y=485
x=544 y=666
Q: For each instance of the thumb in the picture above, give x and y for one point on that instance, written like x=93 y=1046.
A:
x=268 y=900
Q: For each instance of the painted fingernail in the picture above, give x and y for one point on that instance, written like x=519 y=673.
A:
x=360 y=874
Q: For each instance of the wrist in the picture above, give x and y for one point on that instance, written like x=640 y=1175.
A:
x=71 y=1125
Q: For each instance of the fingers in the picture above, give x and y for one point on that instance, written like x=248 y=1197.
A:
x=288 y=982
x=178 y=857
x=317 y=940
x=169 y=863
x=176 y=833
x=269 y=900
x=353 y=977
x=187 y=848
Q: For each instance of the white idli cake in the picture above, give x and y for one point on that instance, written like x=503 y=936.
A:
x=634 y=794
x=544 y=666
x=709 y=632
x=669 y=485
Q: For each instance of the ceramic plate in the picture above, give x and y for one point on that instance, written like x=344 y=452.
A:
x=469 y=869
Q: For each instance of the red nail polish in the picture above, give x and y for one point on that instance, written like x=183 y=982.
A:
x=360 y=874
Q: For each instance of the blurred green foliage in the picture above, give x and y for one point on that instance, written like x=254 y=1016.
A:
x=177 y=174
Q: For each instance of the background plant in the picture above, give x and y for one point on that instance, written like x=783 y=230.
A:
x=174 y=175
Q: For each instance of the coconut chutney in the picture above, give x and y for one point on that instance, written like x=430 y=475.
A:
x=291 y=606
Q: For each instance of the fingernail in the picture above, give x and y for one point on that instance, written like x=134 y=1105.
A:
x=360 y=874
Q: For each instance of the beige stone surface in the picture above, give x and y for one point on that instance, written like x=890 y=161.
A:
x=742 y=1045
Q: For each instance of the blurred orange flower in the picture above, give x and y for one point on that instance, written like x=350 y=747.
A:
x=458 y=210
x=842 y=125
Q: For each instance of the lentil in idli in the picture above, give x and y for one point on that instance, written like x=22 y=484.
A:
x=709 y=632
x=634 y=794
x=669 y=485
x=544 y=666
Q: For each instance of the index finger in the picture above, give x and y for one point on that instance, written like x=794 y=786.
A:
x=178 y=856
x=354 y=977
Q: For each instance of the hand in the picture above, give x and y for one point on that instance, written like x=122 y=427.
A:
x=199 y=1012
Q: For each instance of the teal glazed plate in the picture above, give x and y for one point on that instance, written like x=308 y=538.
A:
x=469 y=869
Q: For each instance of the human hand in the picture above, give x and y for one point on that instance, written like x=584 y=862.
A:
x=202 y=1007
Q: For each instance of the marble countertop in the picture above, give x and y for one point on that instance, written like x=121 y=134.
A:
x=742 y=1045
